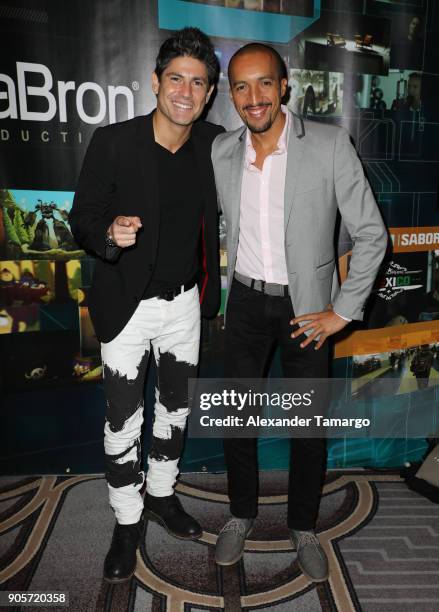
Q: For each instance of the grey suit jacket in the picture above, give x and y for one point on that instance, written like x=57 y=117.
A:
x=323 y=174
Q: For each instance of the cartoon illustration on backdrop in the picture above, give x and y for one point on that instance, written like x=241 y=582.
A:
x=35 y=227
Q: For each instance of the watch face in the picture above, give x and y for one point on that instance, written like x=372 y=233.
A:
x=109 y=241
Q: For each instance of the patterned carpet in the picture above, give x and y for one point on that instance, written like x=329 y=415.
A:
x=382 y=541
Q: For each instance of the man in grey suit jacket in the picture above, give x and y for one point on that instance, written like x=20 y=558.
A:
x=280 y=182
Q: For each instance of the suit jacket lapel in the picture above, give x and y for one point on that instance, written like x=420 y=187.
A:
x=296 y=146
x=147 y=204
x=204 y=167
x=147 y=171
x=235 y=178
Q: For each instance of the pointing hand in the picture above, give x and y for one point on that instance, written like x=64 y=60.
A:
x=123 y=230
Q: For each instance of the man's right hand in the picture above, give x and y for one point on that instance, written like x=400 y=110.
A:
x=123 y=230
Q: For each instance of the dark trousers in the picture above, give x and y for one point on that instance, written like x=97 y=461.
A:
x=255 y=324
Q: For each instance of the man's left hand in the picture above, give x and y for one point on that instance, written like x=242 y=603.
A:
x=322 y=324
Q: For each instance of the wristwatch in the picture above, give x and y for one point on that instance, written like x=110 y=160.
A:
x=109 y=242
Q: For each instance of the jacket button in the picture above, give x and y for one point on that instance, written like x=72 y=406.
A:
x=150 y=266
x=136 y=299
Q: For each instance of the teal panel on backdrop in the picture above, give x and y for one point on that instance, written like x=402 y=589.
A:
x=206 y=455
x=233 y=23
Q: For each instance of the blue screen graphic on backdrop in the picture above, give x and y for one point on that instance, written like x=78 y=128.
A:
x=70 y=66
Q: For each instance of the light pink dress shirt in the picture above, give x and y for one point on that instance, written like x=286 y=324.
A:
x=261 y=247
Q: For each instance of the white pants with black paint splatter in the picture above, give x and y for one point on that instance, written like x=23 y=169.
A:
x=172 y=329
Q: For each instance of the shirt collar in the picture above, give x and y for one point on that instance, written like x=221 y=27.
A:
x=282 y=143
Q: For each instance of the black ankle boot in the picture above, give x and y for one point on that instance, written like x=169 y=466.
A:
x=169 y=512
x=120 y=561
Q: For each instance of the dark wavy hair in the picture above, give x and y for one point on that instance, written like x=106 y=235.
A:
x=189 y=42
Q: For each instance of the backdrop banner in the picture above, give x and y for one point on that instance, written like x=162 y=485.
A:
x=69 y=66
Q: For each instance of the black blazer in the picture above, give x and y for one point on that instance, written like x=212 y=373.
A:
x=119 y=177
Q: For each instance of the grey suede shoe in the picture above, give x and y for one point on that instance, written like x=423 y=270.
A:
x=311 y=557
x=231 y=540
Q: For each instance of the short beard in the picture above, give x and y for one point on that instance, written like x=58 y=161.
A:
x=259 y=130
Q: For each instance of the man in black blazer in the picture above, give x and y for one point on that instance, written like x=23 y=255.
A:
x=146 y=206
